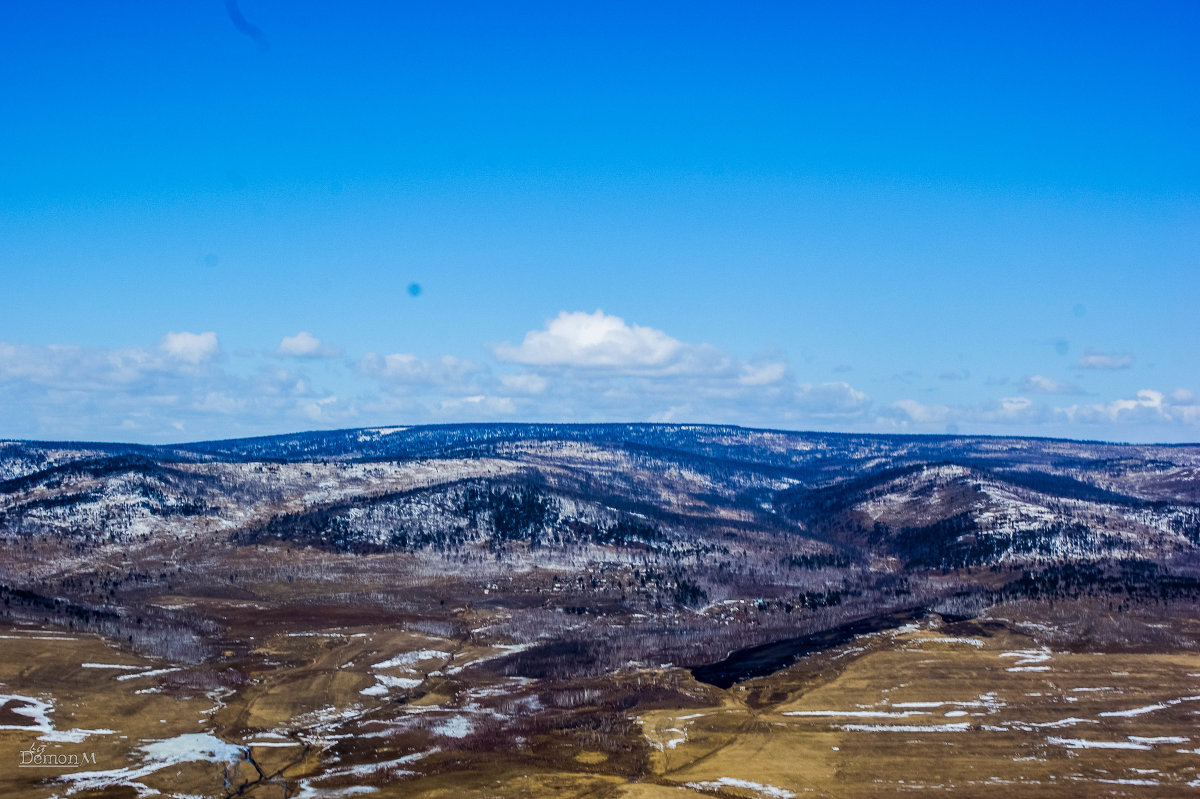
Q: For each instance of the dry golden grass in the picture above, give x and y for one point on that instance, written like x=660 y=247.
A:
x=973 y=710
x=84 y=699
x=973 y=714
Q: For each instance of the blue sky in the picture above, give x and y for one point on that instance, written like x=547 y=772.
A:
x=917 y=217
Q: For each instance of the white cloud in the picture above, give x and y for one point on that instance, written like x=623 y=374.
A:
x=95 y=369
x=595 y=340
x=35 y=364
x=318 y=410
x=1040 y=384
x=579 y=367
x=592 y=366
x=481 y=404
x=1147 y=399
x=1094 y=359
x=913 y=411
x=1155 y=412
x=672 y=415
x=763 y=374
x=1146 y=406
x=1009 y=408
x=305 y=345
x=220 y=402
x=155 y=392
x=524 y=383
x=407 y=368
x=193 y=348
x=829 y=399
x=1006 y=411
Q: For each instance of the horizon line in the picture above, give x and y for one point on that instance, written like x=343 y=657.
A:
x=676 y=425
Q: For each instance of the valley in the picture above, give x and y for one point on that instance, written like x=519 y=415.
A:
x=599 y=610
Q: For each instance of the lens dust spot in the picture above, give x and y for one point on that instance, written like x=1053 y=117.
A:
x=414 y=289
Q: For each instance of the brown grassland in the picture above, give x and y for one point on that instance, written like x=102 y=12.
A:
x=977 y=707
